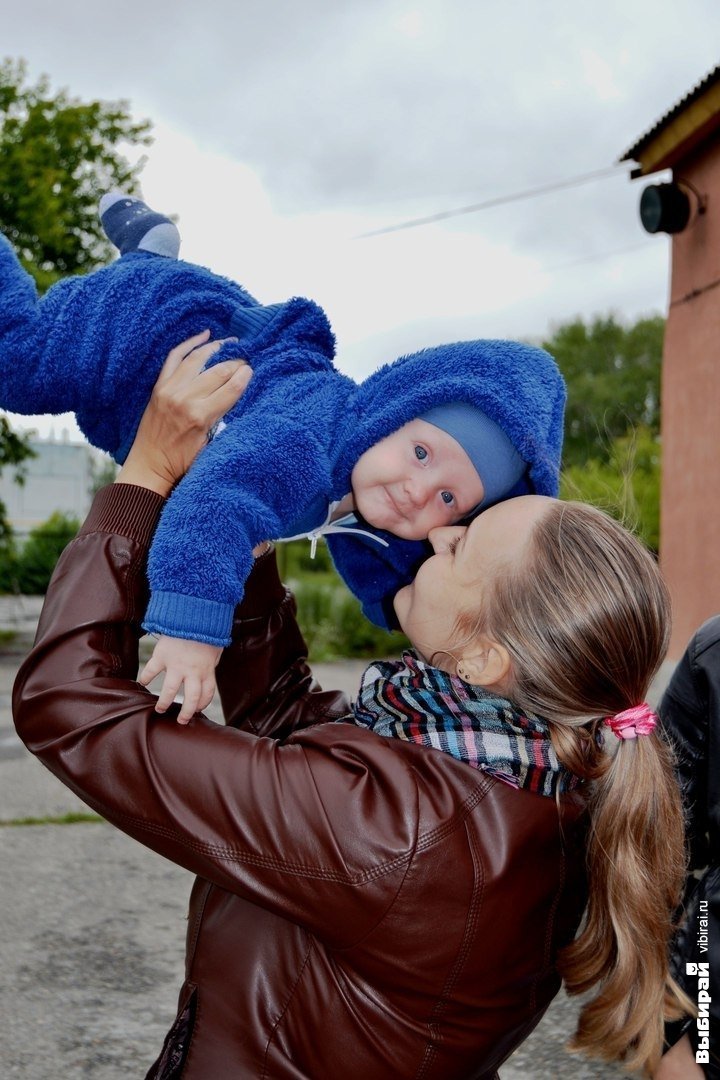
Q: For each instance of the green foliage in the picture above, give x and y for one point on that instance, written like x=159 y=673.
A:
x=72 y=818
x=333 y=624
x=58 y=155
x=14 y=450
x=28 y=570
x=103 y=471
x=627 y=485
x=613 y=378
x=294 y=560
x=9 y=571
x=611 y=454
x=330 y=617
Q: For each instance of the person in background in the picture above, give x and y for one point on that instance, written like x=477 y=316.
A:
x=690 y=715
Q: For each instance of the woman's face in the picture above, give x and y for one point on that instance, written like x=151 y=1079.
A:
x=451 y=582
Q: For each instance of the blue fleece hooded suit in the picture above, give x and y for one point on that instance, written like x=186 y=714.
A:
x=94 y=345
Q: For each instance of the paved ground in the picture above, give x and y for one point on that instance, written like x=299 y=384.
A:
x=93 y=934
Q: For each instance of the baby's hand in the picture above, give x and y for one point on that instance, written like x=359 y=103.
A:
x=189 y=664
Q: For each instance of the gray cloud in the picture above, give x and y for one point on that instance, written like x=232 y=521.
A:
x=362 y=102
x=402 y=108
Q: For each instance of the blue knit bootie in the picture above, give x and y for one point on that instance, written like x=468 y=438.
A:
x=132 y=226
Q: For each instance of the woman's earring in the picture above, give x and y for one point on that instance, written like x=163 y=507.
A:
x=461 y=672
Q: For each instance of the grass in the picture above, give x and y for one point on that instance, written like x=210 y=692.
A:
x=63 y=819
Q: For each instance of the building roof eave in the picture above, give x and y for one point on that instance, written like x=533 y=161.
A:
x=677 y=133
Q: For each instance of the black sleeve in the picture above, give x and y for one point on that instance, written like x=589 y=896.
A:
x=690 y=716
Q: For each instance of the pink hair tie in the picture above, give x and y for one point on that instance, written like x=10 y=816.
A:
x=628 y=724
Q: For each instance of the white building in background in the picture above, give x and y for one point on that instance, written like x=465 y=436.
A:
x=58 y=478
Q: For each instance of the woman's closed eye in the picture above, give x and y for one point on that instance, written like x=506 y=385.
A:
x=452 y=546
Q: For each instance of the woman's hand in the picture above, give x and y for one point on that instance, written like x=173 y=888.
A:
x=184 y=405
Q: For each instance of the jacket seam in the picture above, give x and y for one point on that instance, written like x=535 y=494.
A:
x=284 y=1009
x=391 y=904
x=549 y=926
x=295 y=869
x=135 y=566
x=194 y=937
x=471 y=923
x=301 y=870
x=461 y=815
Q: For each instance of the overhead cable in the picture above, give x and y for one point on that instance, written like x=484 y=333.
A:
x=518 y=196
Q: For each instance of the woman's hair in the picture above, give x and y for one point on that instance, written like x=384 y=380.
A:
x=586 y=621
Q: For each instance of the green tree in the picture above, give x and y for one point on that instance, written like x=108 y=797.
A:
x=613 y=378
x=627 y=485
x=36 y=560
x=58 y=155
x=14 y=451
x=9 y=582
x=103 y=470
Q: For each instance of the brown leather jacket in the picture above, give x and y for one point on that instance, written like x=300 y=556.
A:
x=364 y=908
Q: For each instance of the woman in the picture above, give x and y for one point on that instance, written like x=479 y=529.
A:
x=386 y=896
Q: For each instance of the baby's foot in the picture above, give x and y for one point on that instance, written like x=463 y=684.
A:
x=132 y=226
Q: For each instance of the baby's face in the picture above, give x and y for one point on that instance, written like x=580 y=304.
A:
x=415 y=480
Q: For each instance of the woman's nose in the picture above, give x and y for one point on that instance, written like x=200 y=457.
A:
x=441 y=538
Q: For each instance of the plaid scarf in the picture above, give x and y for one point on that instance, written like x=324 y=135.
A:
x=407 y=699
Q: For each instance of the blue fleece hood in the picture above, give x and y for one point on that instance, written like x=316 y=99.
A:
x=516 y=385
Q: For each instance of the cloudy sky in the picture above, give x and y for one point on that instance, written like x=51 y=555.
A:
x=285 y=130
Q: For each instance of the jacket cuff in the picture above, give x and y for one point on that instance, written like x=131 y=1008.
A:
x=127 y=510
x=133 y=512
x=211 y=621
x=190 y=617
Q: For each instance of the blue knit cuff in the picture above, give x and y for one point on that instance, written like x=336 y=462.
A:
x=189 y=617
x=247 y=322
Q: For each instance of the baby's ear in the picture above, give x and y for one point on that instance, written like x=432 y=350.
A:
x=487 y=665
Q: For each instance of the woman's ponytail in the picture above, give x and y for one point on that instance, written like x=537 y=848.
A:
x=636 y=869
x=586 y=623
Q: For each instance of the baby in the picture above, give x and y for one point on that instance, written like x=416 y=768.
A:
x=425 y=441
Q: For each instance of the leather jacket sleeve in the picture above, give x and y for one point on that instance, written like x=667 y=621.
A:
x=263 y=678
x=275 y=820
x=690 y=711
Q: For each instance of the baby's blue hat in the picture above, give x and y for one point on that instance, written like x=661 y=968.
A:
x=496 y=460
